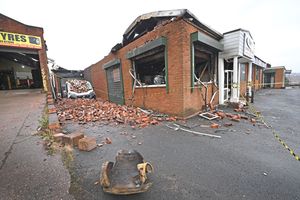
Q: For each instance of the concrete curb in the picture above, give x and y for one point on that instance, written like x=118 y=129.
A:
x=53 y=124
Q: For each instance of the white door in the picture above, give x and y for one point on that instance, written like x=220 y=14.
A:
x=227 y=84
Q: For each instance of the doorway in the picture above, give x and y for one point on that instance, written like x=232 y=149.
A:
x=269 y=80
x=115 y=84
x=227 y=84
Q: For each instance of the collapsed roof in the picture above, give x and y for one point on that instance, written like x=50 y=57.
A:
x=147 y=22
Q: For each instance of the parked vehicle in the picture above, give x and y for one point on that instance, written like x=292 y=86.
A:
x=79 y=89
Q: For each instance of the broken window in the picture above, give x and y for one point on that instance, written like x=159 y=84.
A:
x=204 y=64
x=150 y=68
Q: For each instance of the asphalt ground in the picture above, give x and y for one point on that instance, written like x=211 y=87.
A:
x=26 y=171
x=246 y=163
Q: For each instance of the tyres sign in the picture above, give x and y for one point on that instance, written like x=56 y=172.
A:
x=20 y=40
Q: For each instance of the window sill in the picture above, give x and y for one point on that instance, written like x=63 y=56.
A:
x=151 y=86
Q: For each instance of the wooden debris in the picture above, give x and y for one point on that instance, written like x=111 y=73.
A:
x=177 y=127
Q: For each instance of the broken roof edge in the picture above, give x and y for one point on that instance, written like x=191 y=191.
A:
x=172 y=13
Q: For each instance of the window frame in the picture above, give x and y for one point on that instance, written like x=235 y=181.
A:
x=257 y=73
x=143 y=49
x=243 y=75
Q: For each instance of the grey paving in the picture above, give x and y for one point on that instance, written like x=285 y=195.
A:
x=26 y=171
x=247 y=163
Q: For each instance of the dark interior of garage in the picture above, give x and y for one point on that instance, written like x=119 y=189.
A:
x=19 y=71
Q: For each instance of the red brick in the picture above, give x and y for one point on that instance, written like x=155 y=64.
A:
x=54 y=126
x=214 y=125
x=50 y=101
x=52 y=110
x=87 y=144
x=221 y=114
x=72 y=139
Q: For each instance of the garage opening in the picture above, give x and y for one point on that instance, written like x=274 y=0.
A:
x=19 y=70
x=150 y=68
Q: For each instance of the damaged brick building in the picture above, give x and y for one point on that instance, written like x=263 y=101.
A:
x=170 y=62
x=23 y=58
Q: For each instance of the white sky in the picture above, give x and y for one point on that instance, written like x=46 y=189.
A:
x=80 y=33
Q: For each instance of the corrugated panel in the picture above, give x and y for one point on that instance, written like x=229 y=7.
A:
x=115 y=87
x=231 y=44
x=241 y=44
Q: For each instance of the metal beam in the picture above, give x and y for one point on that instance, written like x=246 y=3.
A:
x=205 y=39
x=162 y=41
x=111 y=63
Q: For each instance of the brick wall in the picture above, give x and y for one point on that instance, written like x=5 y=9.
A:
x=279 y=78
x=193 y=100
x=153 y=98
x=10 y=25
x=87 y=74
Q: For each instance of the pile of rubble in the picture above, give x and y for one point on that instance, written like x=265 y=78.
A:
x=79 y=86
x=91 y=110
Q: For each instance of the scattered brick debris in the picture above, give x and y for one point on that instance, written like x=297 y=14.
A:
x=239 y=110
x=222 y=115
x=72 y=139
x=52 y=110
x=87 y=144
x=214 y=125
x=50 y=101
x=91 y=110
x=244 y=117
x=236 y=118
x=227 y=124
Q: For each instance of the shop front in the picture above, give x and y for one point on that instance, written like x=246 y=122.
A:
x=23 y=59
x=235 y=66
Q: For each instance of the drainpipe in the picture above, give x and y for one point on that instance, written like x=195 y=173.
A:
x=234 y=93
x=221 y=79
x=249 y=79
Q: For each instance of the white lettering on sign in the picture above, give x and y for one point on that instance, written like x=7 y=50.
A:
x=249 y=46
